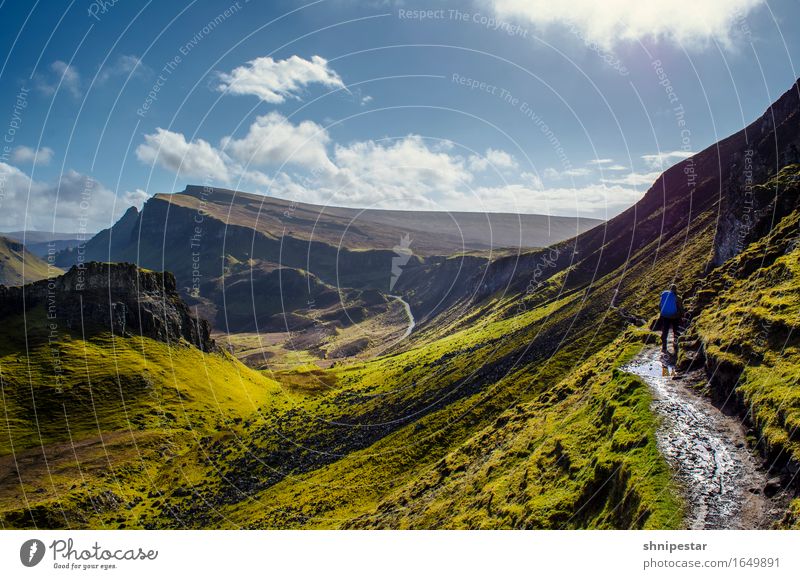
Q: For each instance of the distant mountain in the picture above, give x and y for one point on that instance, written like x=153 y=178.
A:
x=35 y=236
x=222 y=215
x=18 y=265
x=507 y=406
x=203 y=235
x=44 y=243
x=430 y=232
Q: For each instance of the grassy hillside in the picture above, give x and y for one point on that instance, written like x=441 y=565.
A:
x=745 y=331
x=93 y=424
x=512 y=368
x=18 y=266
x=505 y=408
x=508 y=412
x=348 y=439
x=502 y=378
x=580 y=455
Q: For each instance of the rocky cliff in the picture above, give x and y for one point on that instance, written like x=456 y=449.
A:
x=116 y=297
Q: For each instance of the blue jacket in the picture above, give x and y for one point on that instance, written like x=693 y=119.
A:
x=670 y=304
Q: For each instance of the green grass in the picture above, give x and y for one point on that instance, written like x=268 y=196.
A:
x=110 y=420
x=750 y=328
x=584 y=459
x=753 y=328
x=461 y=380
x=511 y=415
x=344 y=446
x=792 y=518
x=19 y=266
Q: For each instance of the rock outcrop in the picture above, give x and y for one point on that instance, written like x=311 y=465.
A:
x=115 y=297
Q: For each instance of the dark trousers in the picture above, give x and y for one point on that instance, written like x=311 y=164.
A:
x=666 y=324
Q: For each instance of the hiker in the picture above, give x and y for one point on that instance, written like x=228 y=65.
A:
x=671 y=313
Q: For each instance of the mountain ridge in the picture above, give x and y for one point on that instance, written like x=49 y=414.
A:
x=508 y=406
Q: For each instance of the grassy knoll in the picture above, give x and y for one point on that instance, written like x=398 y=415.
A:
x=91 y=425
x=19 y=266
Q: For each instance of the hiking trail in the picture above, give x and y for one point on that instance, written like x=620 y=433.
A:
x=721 y=479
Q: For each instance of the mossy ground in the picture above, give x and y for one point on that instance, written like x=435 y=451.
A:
x=513 y=414
x=100 y=420
x=582 y=455
x=19 y=266
x=158 y=434
x=333 y=448
x=751 y=327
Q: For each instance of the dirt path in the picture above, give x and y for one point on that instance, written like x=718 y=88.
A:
x=720 y=477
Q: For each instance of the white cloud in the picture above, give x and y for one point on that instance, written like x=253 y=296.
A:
x=190 y=159
x=665 y=159
x=274 y=140
x=600 y=161
x=137 y=198
x=67 y=76
x=593 y=200
x=23 y=154
x=60 y=206
x=124 y=65
x=556 y=175
x=274 y=81
x=70 y=79
x=635 y=179
x=532 y=180
x=688 y=22
x=407 y=168
x=405 y=173
x=493 y=158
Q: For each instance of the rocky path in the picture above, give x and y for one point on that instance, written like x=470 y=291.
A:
x=721 y=479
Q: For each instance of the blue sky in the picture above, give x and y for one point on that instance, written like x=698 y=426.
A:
x=484 y=105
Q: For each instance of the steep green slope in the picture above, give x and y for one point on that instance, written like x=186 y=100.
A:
x=387 y=421
x=19 y=266
x=92 y=419
x=745 y=331
x=383 y=424
x=529 y=324
x=509 y=416
x=351 y=438
x=579 y=455
x=505 y=409
x=109 y=432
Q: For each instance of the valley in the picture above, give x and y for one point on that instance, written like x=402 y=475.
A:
x=236 y=361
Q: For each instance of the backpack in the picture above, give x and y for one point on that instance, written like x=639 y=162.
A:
x=669 y=304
